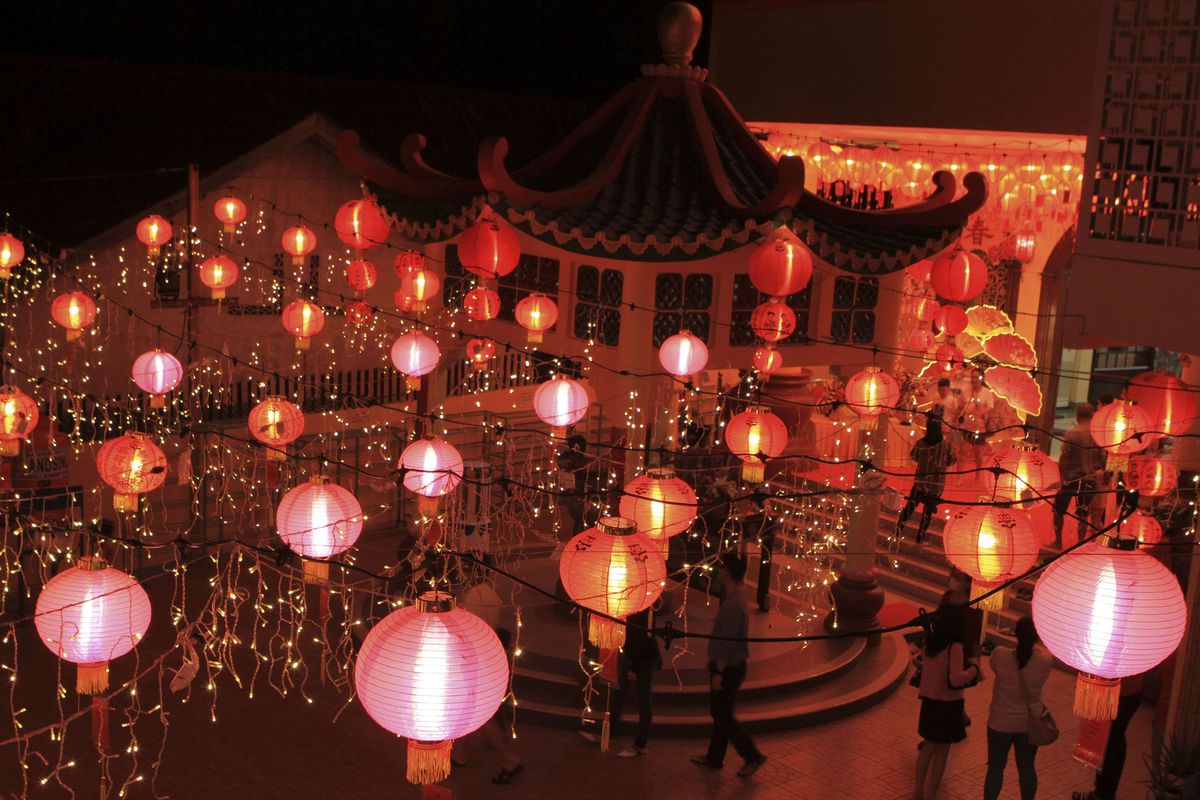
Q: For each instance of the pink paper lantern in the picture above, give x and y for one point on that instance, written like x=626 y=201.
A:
x=560 y=403
x=431 y=468
x=660 y=503
x=415 y=355
x=871 y=392
x=318 y=520
x=132 y=465
x=157 y=373
x=683 y=354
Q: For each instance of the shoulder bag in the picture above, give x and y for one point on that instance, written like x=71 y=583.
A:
x=1042 y=728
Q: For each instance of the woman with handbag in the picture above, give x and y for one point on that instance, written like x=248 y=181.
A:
x=945 y=672
x=1017 y=719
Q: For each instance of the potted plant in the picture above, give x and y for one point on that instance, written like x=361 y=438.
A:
x=1175 y=775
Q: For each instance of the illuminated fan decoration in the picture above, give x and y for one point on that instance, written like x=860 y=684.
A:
x=1011 y=349
x=276 y=422
x=132 y=465
x=985 y=321
x=18 y=417
x=1017 y=387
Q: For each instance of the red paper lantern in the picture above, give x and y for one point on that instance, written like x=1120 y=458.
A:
x=767 y=360
x=1024 y=245
x=613 y=570
x=683 y=354
x=361 y=275
x=489 y=249
x=481 y=304
x=919 y=270
x=924 y=308
x=536 y=313
x=157 y=373
x=1119 y=428
x=1109 y=610
x=871 y=392
x=408 y=261
x=432 y=673
x=417 y=289
x=781 y=265
x=1143 y=527
x=299 y=241
x=992 y=545
x=73 y=311
x=755 y=435
x=304 y=320
x=218 y=273
x=361 y=224
x=18 y=417
x=132 y=465
x=950 y=320
x=12 y=252
x=230 y=211
x=958 y=275
x=1169 y=402
x=318 y=519
x=659 y=503
x=359 y=312
x=431 y=468
x=1029 y=474
x=560 y=403
x=480 y=352
x=1151 y=476
x=773 y=321
x=276 y=422
x=948 y=356
x=90 y=614
x=154 y=231
x=415 y=354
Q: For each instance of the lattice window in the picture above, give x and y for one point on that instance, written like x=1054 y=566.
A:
x=682 y=302
x=746 y=298
x=598 y=295
x=533 y=274
x=854 y=301
x=1004 y=282
x=457 y=280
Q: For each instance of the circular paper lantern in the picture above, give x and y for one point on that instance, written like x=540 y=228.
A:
x=659 y=503
x=767 y=360
x=950 y=320
x=18 y=417
x=73 y=311
x=780 y=266
x=480 y=352
x=919 y=270
x=318 y=519
x=489 y=249
x=871 y=392
x=773 y=321
x=417 y=288
x=276 y=422
x=958 y=275
x=1029 y=167
x=415 y=354
x=359 y=312
x=924 y=308
x=299 y=241
x=1143 y=527
x=536 y=313
x=613 y=570
x=408 y=261
x=361 y=224
x=12 y=252
x=432 y=673
x=1151 y=476
x=154 y=231
x=755 y=435
x=90 y=614
x=304 y=320
x=560 y=402
x=1024 y=245
x=683 y=354
x=992 y=545
x=948 y=356
x=481 y=304
x=1169 y=402
x=230 y=211
x=218 y=273
x=431 y=468
x=1119 y=427
x=361 y=275
x=156 y=373
x=1109 y=610
x=1028 y=474
x=132 y=465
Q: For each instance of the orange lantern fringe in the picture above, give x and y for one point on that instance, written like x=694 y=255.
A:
x=413 y=382
x=158 y=401
x=1096 y=697
x=10 y=447
x=125 y=502
x=316 y=572
x=993 y=602
x=753 y=471
x=91 y=678
x=428 y=762
x=605 y=633
x=427 y=506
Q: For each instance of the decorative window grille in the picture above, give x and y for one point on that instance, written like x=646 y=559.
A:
x=598 y=295
x=1004 y=282
x=682 y=302
x=533 y=274
x=854 y=301
x=746 y=298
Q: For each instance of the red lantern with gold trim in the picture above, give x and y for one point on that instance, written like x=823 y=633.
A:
x=1121 y=428
x=480 y=352
x=12 y=252
x=361 y=275
x=781 y=265
x=773 y=321
x=73 y=311
x=481 y=304
x=230 y=211
x=154 y=232
x=417 y=289
x=537 y=314
x=361 y=224
x=767 y=360
x=18 y=417
x=304 y=320
x=871 y=392
x=958 y=275
x=489 y=249
x=299 y=241
x=276 y=422
x=754 y=436
x=1151 y=476
x=218 y=273
x=132 y=465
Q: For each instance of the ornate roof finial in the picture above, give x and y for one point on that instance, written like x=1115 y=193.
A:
x=679 y=26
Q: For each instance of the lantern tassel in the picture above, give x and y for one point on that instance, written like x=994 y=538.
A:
x=91 y=678
x=753 y=471
x=158 y=401
x=1096 y=697
x=991 y=603
x=10 y=448
x=316 y=572
x=605 y=731
x=413 y=382
x=604 y=633
x=125 y=502
x=427 y=507
x=428 y=762
x=276 y=454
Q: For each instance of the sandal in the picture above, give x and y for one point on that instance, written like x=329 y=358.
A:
x=506 y=775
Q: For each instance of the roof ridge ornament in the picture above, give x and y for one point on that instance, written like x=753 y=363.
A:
x=679 y=27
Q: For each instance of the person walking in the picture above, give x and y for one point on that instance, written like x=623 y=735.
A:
x=727 y=658
x=1021 y=674
x=1081 y=465
x=640 y=658
x=933 y=455
x=943 y=678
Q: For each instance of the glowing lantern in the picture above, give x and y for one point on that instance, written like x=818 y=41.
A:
x=318 y=520
x=415 y=354
x=154 y=231
x=481 y=304
x=304 y=320
x=90 y=614
x=361 y=224
x=754 y=436
x=773 y=321
x=132 y=465
x=917 y=166
x=157 y=373
x=1027 y=473
x=73 y=311
x=1029 y=167
x=230 y=211
x=417 y=288
x=1109 y=610
x=12 y=252
x=408 y=261
x=823 y=157
x=1119 y=428
x=1143 y=527
x=218 y=273
x=18 y=417
x=276 y=422
x=924 y=308
x=871 y=392
x=683 y=354
x=612 y=570
x=659 y=503
x=560 y=402
x=919 y=270
x=432 y=673
x=1169 y=402
x=950 y=320
x=536 y=313
x=947 y=356
x=767 y=360
x=958 y=275
x=1151 y=476
x=480 y=352
x=361 y=275
x=992 y=545
x=431 y=468
x=359 y=312
x=781 y=265
x=489 y=249
x=1024 y=245
x=299 y=241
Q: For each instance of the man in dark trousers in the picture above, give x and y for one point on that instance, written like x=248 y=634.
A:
x=727 y=667
x=640 y=657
